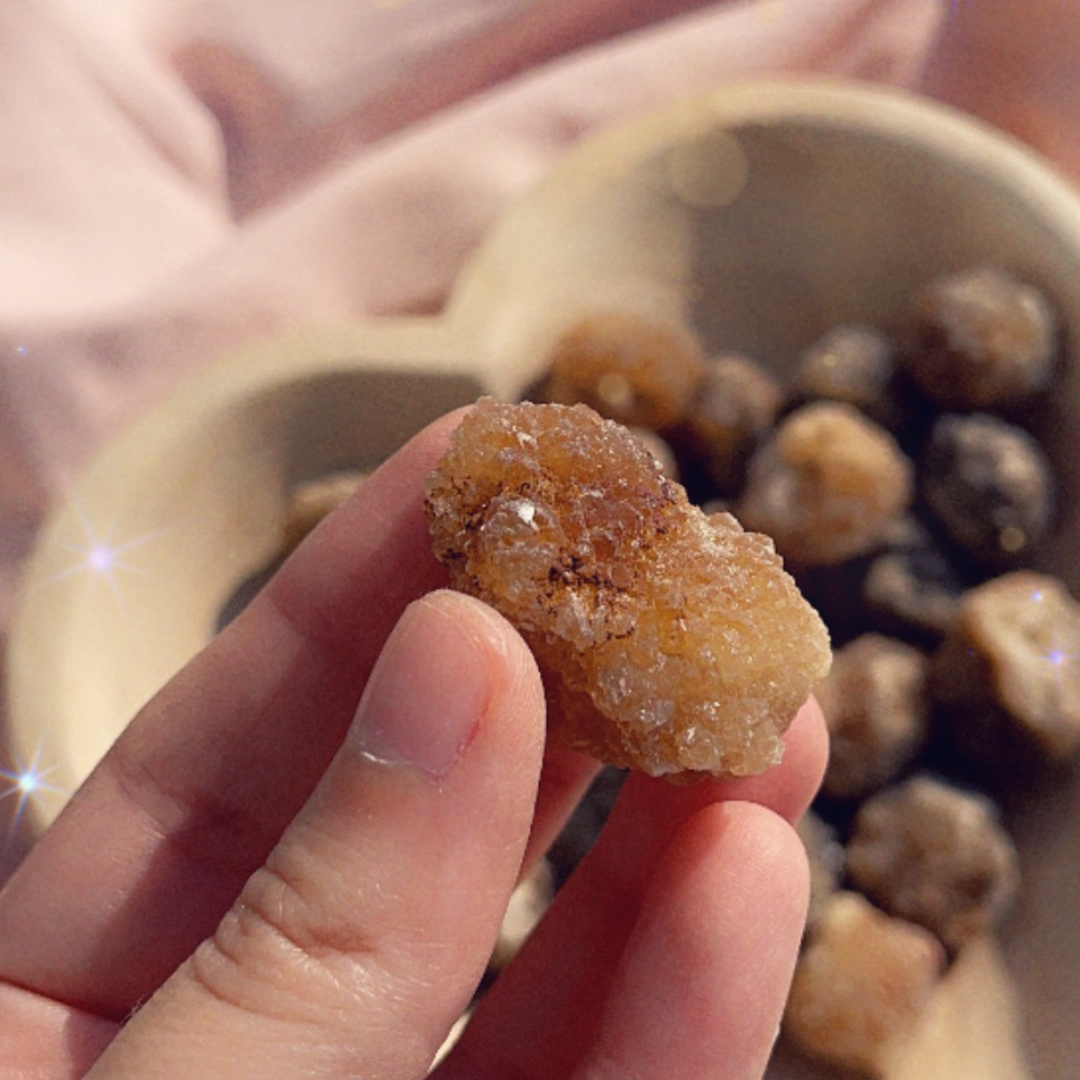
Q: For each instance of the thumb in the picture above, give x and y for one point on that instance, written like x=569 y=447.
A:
x=359 y=942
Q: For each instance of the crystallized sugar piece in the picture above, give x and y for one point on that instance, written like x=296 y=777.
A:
x=628 y=367
x=861 y=985
x=990 y=485
x=828 y=485
x=852 y=363
x=983 y=338
x=672 y=642
x=736 y=402
x=935 y=855
x=876 y=707
x=1009 y=672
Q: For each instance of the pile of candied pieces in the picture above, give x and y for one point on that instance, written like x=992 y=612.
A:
x=900 y=473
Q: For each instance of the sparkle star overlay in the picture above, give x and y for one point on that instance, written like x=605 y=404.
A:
x=1055 y=655
x=28 y=782
x=100 y=557
x=94 y=557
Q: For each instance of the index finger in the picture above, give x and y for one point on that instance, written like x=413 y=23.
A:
x=158 y=842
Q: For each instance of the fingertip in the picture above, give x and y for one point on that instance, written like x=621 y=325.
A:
x=450 y=667
x=713 y=949
x=806 y=756
x=490 y=630
x=789 y=787
x=755 y=851
x=517 y=691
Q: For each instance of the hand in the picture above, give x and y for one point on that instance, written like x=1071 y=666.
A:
x=265 y=879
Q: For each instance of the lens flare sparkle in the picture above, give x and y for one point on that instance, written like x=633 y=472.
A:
x=26 y=782
x=98 y=556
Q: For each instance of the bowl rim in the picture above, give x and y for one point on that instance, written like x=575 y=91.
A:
x=896 y=114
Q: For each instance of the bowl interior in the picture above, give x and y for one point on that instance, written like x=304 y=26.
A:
x=766 y=214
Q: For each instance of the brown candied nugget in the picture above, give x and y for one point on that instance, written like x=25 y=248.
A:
x=860 y=985
x=314 y=500
x=983 y=338
x=935 y=855
x=827 y=486
x=825 y=854
x=627 y=367
x=876 y=707
x=912 y=587
x=676 y=641
x=989 y=485
x=734 y=406
x=1010 y=668
x=853 y=363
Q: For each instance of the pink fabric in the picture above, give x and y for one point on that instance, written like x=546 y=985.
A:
x=178 y=178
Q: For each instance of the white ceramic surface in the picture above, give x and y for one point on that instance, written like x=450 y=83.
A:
x=764 y=213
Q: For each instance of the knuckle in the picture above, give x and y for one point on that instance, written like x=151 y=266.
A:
x=283 y=949
x=199 y=823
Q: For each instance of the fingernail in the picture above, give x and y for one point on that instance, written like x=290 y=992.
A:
x=430 y=686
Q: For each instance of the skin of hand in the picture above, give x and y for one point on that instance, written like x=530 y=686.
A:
x=296 y=858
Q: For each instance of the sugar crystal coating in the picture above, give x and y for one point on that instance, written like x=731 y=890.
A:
x=852 y=363
x=912 y=588
x=1010 y=668
x=672 y=642
x=990 y=486
x=736 y=403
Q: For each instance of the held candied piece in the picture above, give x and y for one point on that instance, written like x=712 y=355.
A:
x=860 y=985
x=982 y=338
x=627 y=367
x=1009 y=672
x=675 y=642
x=989 y=484
x=828 y=485
x=877 y=708
x=935 y=855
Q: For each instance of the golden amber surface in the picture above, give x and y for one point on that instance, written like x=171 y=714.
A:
x=671 y=642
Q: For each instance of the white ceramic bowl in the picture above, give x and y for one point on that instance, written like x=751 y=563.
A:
x=764 y=213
